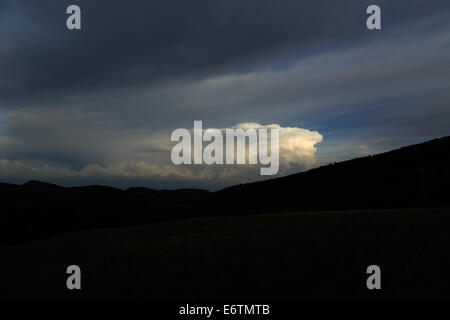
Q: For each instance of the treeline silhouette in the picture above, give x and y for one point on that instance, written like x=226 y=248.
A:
x=414 y=176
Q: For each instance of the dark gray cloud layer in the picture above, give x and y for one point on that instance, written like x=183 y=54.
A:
x=124 y=43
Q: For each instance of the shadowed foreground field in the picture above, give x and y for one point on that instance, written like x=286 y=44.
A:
x=281 y=256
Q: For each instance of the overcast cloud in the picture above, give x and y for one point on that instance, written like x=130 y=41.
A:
x=99 y=105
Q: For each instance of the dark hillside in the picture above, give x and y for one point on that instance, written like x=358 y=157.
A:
x=38 y=209
x=414 y=176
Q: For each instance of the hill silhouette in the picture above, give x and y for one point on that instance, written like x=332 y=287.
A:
x=38 y=209
x=414 y=176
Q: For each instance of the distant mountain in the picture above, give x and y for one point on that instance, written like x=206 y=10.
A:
x=414 y=176
x=38 y=209
x=40 y=186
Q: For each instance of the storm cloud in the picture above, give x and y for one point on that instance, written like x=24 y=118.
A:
x=86 y=106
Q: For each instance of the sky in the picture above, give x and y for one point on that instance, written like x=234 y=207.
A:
x=98 y=105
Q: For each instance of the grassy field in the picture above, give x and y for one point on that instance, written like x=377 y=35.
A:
x=281 y=256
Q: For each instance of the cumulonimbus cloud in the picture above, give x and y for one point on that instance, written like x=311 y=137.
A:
x=297 y=152
x=297 y=146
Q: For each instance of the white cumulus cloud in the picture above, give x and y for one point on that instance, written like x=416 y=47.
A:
x=297 y=148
